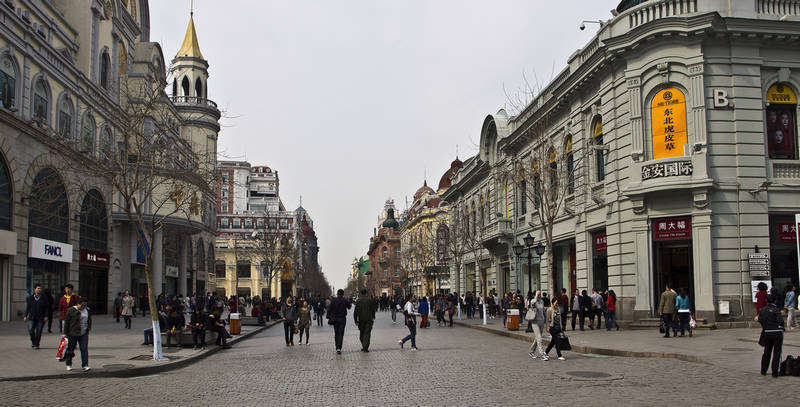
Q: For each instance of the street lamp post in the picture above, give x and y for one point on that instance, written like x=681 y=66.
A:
x=518 y=248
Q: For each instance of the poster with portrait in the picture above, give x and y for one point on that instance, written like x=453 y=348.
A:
x=781 y=132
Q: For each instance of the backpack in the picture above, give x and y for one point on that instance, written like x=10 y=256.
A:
x=793 y=366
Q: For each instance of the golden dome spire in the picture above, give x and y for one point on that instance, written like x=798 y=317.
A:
x=190 y=47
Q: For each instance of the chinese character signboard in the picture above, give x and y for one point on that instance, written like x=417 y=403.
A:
x=93 y=257
x=672 y=228
x=600 y=243
x=668 y=115
x=660 y=170
x=787 y=232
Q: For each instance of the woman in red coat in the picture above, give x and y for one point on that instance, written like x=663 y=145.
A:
x=761 y=297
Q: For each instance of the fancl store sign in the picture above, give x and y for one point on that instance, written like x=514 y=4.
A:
x=49 y=250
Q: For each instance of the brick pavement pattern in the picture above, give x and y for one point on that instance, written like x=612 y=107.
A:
x=455 y=366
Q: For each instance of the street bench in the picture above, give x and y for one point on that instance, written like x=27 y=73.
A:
x=186 y=338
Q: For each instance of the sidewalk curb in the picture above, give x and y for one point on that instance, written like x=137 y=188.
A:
x=591 y=349
x=143 y=370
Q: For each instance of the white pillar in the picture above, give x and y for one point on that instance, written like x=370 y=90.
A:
x=157 y=268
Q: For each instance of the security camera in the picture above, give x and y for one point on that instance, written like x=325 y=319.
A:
x=582 y=27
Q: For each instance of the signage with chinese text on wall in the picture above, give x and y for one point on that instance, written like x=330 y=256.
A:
x=787 y=232
x=668 y=119
x=600 y=243
x=758 y=264
x=781 y=94
x=93 y=257
x=661 y=170
x=672 y=228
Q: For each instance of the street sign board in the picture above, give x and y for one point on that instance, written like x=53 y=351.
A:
x=758 y=264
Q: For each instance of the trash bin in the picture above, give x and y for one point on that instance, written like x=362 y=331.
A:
x=512 y=322
x=236 y=324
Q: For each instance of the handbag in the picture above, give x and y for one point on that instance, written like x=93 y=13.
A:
x=330 y=321
x=563 y=342
x=62 y=345
x=762 y=340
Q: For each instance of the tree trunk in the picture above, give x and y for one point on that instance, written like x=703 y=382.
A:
x=157 y=354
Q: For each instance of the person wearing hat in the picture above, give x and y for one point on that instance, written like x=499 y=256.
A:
x=77 y=324
x=337 y=316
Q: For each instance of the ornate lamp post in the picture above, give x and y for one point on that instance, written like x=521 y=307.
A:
x=518 y=248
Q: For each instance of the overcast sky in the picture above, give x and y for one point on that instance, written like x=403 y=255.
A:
x=354 y=101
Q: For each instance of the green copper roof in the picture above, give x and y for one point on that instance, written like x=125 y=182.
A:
x=390 y=221
x=363 y=266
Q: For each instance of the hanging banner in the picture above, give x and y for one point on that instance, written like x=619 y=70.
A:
x=668 y=115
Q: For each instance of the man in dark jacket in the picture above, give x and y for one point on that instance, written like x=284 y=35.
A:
x=337 y=316
x=36 y=311
x=176 y=322
x=585 y=308
x=77 y=324
x=772 y=333
x=364 y=315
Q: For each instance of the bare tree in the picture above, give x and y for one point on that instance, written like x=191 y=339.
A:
x=455 y=247
x=154 y=172
x=274 y=250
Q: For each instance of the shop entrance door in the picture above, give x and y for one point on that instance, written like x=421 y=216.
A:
x=93 y=284
x=673 y=264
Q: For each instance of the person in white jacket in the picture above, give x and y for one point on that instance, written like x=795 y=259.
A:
x=411 y=323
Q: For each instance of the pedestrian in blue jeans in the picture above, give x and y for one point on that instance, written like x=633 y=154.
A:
x=411 y=323
x=77 y=325
x=36 y=310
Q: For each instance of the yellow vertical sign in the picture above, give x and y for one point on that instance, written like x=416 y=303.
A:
x=668 y=115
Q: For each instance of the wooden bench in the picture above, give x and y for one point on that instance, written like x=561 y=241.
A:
x=186 y=338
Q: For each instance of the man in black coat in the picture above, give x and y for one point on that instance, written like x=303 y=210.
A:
x=771 y=335
x=364 y=316
x=36 y=311
x=337 y=316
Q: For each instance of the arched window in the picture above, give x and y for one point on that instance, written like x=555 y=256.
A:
x=599 y=154
x=88 y=129
x=106 y=143
x=6 y=195
x=105 y=69
x=185 y=86
x=781 y=122
x=65 y=114
x=41 y=100
x=48 y=217
x=668 y=123
x=570 y=163
x=94 y=222
x=523 y=194
x=8 y=82
x=198 y=88
x=122 y=59
x=174 y=87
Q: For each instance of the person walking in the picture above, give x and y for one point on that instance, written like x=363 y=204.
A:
x=305 y=322
x=666 y=307
x=563 y=302
x=77 y=325
x=611 y=305
x=337 y=316
x=393 y=305
x=684 y=313
x=790 y=302
x=290 y=316
x=553 y=322
x=575 y=308
x=423 y=310
x=364 y=316
x=585 y=309
x=537 y=323
x=530 y=305
x=118 y=306
x=127 y=308
x=411 y=323
x=761 y=297
x=597 y=309
x=35 y=315
x=319 y=310
x=67 y=301
x=771 y=336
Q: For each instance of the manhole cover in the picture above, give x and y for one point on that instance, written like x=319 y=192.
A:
x=738 y=349
x=118 y=366
x=102 y=357
x=589 y=375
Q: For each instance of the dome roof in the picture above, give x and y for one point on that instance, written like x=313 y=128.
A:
x=390 y=221
x=423 y=190
x=447 y=178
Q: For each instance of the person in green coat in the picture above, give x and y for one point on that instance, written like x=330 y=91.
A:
x=364 y=315
x=666 y=307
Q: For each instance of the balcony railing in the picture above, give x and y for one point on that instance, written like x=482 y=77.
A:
x=786 y=169
x=193 y=100
x=654 y=10
x=778 y=7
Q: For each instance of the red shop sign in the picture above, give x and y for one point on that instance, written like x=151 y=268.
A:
x=600 y=243
x=672 y=228
x=787 y=232
x=93 y=257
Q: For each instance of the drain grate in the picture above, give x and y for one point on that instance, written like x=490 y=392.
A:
x=589 y=375
x=738 y=350
x=102 y=357
x=117 y=366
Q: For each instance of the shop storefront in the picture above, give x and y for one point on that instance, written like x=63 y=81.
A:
x=48 y=262
x=672 y=254
x=171 y=252
x=8 y=239
x=530 y=277
x=94 y=260
x=564 y=263
x=783 y=250
x=171 y=274
x=599 y=260
x=49 y=256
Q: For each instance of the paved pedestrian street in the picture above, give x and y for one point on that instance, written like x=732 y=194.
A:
x=454 y=366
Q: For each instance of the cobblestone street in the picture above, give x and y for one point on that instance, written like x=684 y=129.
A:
x=455 y=366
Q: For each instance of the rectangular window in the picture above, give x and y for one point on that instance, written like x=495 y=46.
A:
x=224 y=192
x=225 y=178
x=272 y=223
x=284 y=224
x=243 y=269
x=8 y=86
x=223 y=222
x=237 y=223
x=523 y=197
x=600 y=160
x=219 y=269
x=225 y=207
x=260 y=223
x=248 y=223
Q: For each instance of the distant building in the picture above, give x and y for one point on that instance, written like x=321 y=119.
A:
x=386 y=272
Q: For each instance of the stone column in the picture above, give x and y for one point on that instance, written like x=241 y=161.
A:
x=157 y=268
x=703 y=272
x=637 y=130
x=644 y=275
